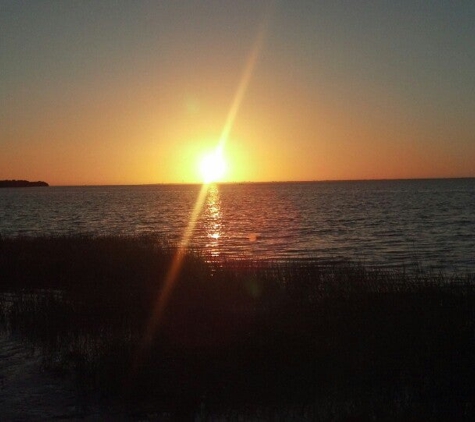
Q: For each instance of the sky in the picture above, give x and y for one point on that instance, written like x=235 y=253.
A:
x=122 y=92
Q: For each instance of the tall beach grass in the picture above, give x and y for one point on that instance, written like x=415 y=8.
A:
x=242 y=339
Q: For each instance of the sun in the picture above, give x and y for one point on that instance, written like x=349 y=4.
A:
x=213 y=166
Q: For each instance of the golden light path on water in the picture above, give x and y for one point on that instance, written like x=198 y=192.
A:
x=213 y=221
x=172 y=274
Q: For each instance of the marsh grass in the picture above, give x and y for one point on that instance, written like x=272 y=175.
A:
x=241 y=339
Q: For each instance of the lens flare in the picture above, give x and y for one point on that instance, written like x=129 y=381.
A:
x=213 y=167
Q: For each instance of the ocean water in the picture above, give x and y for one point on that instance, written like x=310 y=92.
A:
x=410 y=223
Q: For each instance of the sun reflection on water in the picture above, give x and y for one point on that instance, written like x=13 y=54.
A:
x=213 y=221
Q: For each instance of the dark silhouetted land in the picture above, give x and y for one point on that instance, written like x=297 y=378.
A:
x=20 y=184
x=242 y=340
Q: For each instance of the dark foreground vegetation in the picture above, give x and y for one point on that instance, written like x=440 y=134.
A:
x=242 y=340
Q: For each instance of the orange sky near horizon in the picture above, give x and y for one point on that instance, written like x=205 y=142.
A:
x=96 y=94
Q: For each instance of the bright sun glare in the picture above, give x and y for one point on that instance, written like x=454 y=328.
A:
x=213 y=166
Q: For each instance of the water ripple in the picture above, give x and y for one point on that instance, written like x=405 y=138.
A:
x=382 y=223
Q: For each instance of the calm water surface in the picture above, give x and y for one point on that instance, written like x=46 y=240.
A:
x=382 y=223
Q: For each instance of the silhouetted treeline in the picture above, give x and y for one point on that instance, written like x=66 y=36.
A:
x=20 y=184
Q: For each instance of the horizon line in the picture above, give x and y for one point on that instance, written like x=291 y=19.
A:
x=263 y=182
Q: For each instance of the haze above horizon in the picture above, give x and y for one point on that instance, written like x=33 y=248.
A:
x=104 y=93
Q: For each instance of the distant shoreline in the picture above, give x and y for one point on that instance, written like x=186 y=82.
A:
x=21 y=184
x=270 y=182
